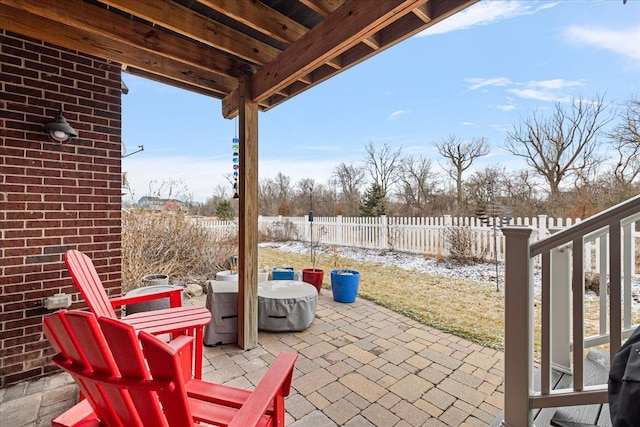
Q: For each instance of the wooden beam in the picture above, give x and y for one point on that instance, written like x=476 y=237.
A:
x=322 y=7
x=423 y=12
x=248 y=219
x=173 y=72
x=182 y=20
x=106 y=24
x=260 y=17
x=181 y=84
x=347 y=26
x=327 y=7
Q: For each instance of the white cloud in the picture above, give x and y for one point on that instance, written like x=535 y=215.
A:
x=478 y=83
x=624 y=42
x=551 y=90
x=486 y=13
x=506 y=107
x=396 y=114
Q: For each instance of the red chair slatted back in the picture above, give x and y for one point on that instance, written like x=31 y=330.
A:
x=132 y=366
x=87 y=357
x=78 y=335
x=86 y=279
x=164 y=363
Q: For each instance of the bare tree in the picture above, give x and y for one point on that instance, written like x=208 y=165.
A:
x=460 y=156
x=522 y=192
x=417 y=183
x=626 y=141
x=350 y=179
x=562 y=145
x=382 y=165
x=486 y=185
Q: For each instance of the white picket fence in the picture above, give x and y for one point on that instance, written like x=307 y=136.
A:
x=426 y=235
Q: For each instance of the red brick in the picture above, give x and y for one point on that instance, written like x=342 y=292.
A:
x=52 y=190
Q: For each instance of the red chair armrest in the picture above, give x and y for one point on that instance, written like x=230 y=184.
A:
x=275 y=383
x=174 y=295
x=79 y=415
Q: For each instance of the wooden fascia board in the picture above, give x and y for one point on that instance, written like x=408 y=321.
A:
x=184 y=21
x=40 y=28
x=260 y=17
x=347 y=26
x=95 y=20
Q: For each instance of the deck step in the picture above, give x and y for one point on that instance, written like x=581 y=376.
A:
x=596 y=371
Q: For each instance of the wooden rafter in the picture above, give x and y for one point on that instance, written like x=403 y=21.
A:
x=179 y=75
x=261 y=18
x=95 y=20
x=344 y=28
x=205 y=46
x=183 y=20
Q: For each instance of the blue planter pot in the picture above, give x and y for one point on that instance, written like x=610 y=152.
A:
x=283 y=273
x=344 y=285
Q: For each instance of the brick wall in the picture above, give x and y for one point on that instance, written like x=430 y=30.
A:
x=53 y=196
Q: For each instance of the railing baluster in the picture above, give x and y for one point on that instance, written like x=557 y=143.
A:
x=628 y=259
x=547 y=319
x=603 y=270
x=578 y=314
x=560 y=308
x=615 y=255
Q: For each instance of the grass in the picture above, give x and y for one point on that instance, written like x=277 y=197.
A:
x=468 y=309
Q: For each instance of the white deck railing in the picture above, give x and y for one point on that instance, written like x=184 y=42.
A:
x=564 y=258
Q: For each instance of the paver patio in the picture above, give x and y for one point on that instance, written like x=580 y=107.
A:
x=360 y=365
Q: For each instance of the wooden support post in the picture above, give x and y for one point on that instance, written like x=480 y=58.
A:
x=248 y=219
x=518 y=347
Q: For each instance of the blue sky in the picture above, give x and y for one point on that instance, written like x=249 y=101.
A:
x=476 y=74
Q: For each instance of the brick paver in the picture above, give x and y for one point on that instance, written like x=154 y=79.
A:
x=359 y=365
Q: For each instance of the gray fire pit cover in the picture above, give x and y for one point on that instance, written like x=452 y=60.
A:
x=286 y=305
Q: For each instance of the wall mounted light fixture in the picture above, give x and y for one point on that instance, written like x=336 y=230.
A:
x=59 y=129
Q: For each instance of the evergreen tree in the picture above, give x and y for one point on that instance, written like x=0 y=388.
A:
x=373 y=202
x=224 y=210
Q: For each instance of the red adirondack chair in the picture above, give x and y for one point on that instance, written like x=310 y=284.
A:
x=177 y=320
x=128 y=386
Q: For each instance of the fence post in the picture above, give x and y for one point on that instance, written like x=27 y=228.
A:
x=542 y=227
x=339 y=230
x=518 y=348
x=383 y=236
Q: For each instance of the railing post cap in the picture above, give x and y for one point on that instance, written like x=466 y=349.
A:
x=516 y=230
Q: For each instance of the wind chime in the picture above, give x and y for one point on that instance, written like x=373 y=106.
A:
x=235 y=146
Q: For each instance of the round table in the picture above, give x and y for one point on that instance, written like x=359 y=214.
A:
x=286 y=305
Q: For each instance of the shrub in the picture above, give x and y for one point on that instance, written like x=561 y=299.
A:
x=592 y=282
x=280 y=231
x=170 y=243
x=460 y=242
